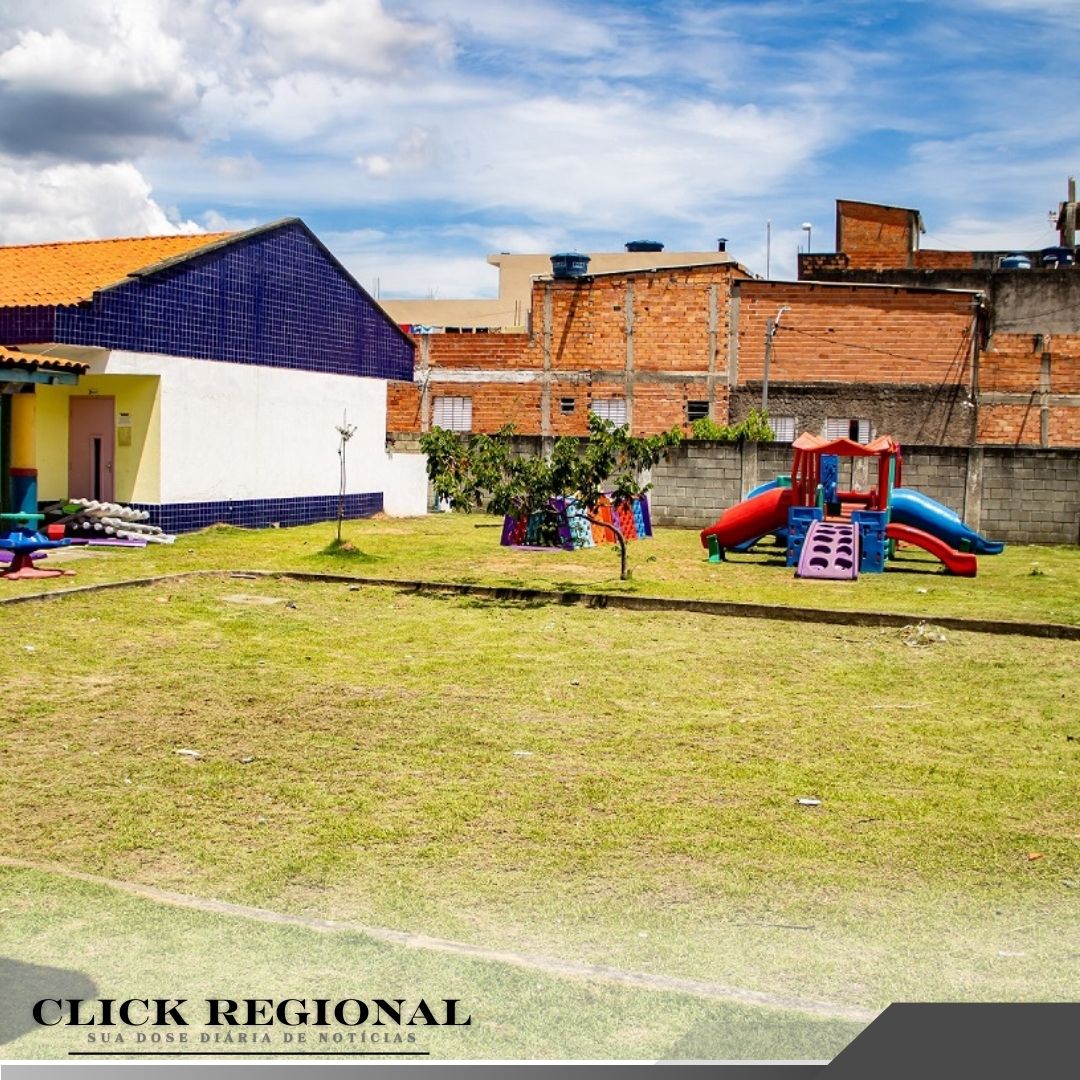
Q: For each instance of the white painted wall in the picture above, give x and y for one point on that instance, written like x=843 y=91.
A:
x=243 y=431
x=406 y=487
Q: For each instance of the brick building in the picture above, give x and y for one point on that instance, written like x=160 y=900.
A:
x=932 y=347
x=1026 y=374
x=662 y=347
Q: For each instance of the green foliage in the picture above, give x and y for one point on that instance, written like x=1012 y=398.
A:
x=755 y=428
x=485 y=471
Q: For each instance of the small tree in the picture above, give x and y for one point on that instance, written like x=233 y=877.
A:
x=345 y=432
x=484 y=471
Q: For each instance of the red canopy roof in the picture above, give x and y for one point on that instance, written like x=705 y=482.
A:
x=884 y=444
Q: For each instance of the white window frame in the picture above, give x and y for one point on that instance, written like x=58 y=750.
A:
x=613 y=409
x=839 y=427
x=452 y=413
x=783 y=428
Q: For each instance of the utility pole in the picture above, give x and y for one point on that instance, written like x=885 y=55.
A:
x=770 y=332
x=768 y=245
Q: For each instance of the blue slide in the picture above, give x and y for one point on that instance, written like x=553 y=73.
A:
x=919 y=511
x=780 y=534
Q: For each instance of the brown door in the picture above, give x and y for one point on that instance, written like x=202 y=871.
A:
x=91 y=448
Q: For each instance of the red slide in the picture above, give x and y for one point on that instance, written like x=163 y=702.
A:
x=764 y=513
x=961 y=563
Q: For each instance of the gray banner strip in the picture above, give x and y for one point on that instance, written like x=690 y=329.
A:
x=989 y=1041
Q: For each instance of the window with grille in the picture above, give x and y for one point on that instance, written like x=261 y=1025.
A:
x=696 y=410
x=783 y=428
x=856 y=430
x=613 y=409
x=453 y=413
x=567 y=404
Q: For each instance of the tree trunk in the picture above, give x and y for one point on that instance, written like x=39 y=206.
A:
x=624 y=573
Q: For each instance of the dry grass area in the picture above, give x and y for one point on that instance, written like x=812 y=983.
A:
x=611 y=786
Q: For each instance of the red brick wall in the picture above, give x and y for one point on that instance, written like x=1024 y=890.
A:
x=479 y=351
x=932 y=259
x=1012 y=364
x=874 y=236
x=1009 y=424
x=1064 y=363
x=854 y=335
x=670 y=334
x=1065 y=425
x=403 y=407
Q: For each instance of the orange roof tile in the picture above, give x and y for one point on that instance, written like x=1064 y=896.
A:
x=10 y=358
x=65 y=273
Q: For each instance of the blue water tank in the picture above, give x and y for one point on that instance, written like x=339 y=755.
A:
x=644 y=245
x=1056 y=256
x=1015 y=262
x=569 y=264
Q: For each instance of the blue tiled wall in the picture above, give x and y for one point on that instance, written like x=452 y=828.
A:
x=19 y=325
x=259 y=513
x=274 y=299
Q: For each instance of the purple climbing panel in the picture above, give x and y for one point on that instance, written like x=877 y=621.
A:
x=831 y=550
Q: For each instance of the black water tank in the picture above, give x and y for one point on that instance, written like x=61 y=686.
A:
x=644 y=245
x=569 y=264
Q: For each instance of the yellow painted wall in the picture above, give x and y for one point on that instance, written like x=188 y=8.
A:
x=137 y=468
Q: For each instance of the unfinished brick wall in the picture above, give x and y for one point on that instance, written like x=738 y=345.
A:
x=931 y=259
x=1014 y=425
x=898 y=356
x=643 y=336
x=1011 y=363
x=1029 y=386
x=403 y=407
x=854 y=334
x=875 y=236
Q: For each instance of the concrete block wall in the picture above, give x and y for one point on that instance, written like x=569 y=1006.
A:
x=938 y=471
x=1031 y=496
x=698 y=481
x=1028 y=496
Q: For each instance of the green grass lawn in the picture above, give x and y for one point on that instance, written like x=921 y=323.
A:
x=1026 y=583
x=616 y=787
x=74 y=939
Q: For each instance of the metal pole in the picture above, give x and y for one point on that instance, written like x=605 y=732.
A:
x=768 y=245
x=770 y=329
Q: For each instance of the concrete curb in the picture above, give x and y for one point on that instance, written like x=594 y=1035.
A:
x=502 y=593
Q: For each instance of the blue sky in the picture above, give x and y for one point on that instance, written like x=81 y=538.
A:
x=416 y=136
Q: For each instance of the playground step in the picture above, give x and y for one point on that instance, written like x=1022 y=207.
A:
x=831 y=550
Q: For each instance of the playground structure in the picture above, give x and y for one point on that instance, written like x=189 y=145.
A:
x=24 y=538
x=565 y=524
x=828 y=532
x=24 y=542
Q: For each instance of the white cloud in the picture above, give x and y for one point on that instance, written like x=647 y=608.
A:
x=355 y=37
x=132 y=55
x=399 y=266
x=525 y=24
x=76 y=202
